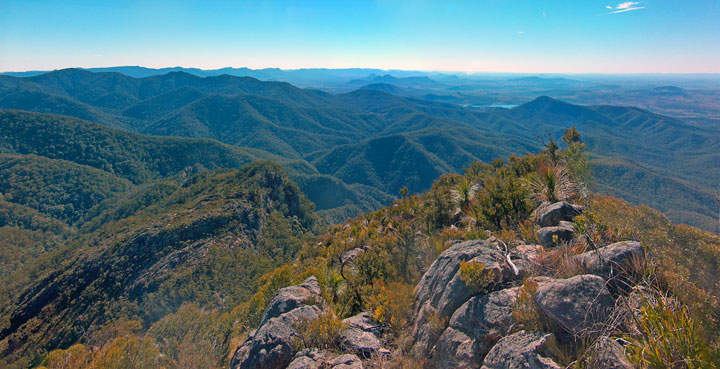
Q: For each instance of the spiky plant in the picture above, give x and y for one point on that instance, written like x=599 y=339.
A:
x=463 y=195
x=552 y=183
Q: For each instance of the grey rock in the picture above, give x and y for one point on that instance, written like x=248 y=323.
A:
x=289 y=298
x=614 y=262
x=316 y=359
x=346 y=361
x=474 y=328
x=272 y=345
x=441 y=291
x=522 y=350
x=579 y=304
x=526 y=257
x=607 y=353
x=362 y=336
x=308 y=359
x=545 y=235
x=351 y=255
x=551 y=215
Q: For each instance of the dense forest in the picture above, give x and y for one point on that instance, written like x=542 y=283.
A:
x=131 y=267
x=367 y=143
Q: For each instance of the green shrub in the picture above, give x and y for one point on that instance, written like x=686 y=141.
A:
x=669 y=338
x=321 y=333
x=477 y=276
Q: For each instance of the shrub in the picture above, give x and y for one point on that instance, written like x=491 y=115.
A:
x=391 y=304
x=668 y=338
x=526 y=312
x=321 y=333
x=477 y=276
x=75 y=357
x=552 y=183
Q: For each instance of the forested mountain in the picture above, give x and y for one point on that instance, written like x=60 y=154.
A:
x=208 y=268
x=379 y=137
x=182 y=245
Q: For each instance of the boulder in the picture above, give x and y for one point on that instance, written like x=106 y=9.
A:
x=615 y=262
x=579 y=304
x=362 y=336
x=289 y=298
x=309 y=359
x=525 y=258
x=551 y=215
x=316 y=359
x=607 y=353
x=564 y=234
x=474 y=328
x=441 y=291
x=522 y=350
x=272 y=345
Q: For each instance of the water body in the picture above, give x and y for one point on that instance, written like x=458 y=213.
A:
x=503 y=106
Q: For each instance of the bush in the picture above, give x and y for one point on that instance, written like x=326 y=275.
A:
x=669 y=338
x=391 y=304
x=526 y=312
x=477 y=276
x=321 y=333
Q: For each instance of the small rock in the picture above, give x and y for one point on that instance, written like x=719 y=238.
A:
x=346 y=361
x=551 y=215
x=316 y=359
x=351 y=255
x=578 y=304
x=564 y=234
x=308 y=359
x=607 y=353
x=522 y=350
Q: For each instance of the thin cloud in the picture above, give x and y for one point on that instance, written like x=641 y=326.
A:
x=624 y=7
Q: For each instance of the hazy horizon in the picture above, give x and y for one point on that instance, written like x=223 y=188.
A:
x=556 y=37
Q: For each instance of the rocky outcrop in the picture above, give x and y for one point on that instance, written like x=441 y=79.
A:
x=441 y=291
x=316 y=359
x=474 y=328
x=272 y=345
x=551 y=215
x=579 y=305
x=563 y=233
x=616 y=262
x=522 y=350
x=362 y=336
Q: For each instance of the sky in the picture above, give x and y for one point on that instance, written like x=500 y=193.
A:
x=524 y=36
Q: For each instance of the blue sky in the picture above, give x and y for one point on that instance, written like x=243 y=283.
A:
x=534 y=36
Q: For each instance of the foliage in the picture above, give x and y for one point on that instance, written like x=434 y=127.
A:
x=391 y=304
x=477 y=276
x=526 y=312
x=552 y=183
x=669 y=338
x=323 y=332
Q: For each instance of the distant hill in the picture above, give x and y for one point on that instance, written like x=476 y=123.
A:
x=339 y=135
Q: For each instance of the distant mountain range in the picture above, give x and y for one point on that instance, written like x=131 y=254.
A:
x=346 y=149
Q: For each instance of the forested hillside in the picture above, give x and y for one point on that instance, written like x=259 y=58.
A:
x=316 y=133
x=466 y=274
